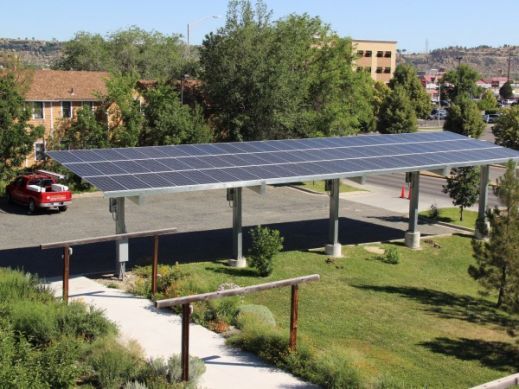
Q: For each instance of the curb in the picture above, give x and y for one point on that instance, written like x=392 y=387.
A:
x=445 y=224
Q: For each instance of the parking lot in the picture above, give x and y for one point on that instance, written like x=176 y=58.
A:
x=203 y=219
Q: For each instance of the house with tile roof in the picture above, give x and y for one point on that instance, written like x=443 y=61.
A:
x=55 y=95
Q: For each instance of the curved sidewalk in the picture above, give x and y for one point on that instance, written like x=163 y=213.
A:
x=159 y=334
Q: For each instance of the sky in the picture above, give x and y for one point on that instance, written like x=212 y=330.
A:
x=411 y=23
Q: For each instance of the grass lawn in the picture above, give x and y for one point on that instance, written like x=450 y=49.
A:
x=452 y=215
x=318 y=186
x=420 y=323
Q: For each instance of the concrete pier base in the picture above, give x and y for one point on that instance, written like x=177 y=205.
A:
x=333 y=250
x=242 y=262
x=412 y=239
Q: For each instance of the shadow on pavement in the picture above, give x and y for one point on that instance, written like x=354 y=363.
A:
x=189 y=247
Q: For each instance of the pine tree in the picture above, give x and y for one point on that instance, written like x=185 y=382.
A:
x=497 y=260
x=396 y=115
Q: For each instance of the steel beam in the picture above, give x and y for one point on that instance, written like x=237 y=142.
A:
x=412 y=235
x=238 y=260
x=482 y=222
x=121 y=246
x=333 y=248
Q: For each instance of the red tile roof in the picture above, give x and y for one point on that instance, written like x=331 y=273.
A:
x=60 y=85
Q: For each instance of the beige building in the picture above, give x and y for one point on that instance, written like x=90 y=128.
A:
x=55 y=95
x=376 y=57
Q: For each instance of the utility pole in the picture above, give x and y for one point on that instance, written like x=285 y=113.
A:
x=509 y=61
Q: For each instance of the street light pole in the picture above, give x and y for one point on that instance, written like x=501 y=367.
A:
x=193 y=24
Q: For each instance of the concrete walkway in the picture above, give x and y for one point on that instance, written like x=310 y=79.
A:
x=159 y=334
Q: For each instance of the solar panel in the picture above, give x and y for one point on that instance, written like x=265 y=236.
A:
x=139 y=170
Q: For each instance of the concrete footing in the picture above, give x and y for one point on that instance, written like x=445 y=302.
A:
x=333 y=250
x=412 y=239
x=242 y=262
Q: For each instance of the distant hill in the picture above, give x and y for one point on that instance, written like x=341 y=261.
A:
x=488 y=61
x=40 y=54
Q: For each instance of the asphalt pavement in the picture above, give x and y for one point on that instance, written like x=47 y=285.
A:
x=204 y=222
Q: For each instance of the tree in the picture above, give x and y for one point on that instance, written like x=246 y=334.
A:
x=463 y=187
x=168 y=121
x=463 y=81
x=151 y=55
x=83 y=132
x=396 y=113
x=124 y=118
x=506 y=92
x=506 y=129
x=16 y=135
x=488 y=101
x=464 y=118
x=289 y=78
x=497 y=260
x=406 y=77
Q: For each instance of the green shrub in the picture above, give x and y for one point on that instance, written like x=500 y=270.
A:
x=222 y=310
x=58 y=363
x=196 y=369
x=272 y=346
x=266 y=243
x=134 y=385
x=35 y=320
x=82 y=321
x=392 y=256
x=252 y=313
x=113 y=364
x=15 y=285
x=434 y=212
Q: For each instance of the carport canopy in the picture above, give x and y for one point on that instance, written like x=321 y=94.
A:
x=140 y=171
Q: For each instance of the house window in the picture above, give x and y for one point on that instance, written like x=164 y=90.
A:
x=368 y=53
x=88 y=105
x=368 y=69
x=360 y=53
x=379 y=69
x=387 y=54
x=387 y=70
x=39 y=151
x=66 y=109
x=37 y=110
x=380 y=53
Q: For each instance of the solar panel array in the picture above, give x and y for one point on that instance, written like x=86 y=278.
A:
x=140 y=170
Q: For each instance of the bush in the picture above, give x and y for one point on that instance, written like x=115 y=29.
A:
x=266 y=243
x=35 y=320
x=256 y=314
x=391 y=256
x=196 y=369
x=113 y=364
x=86 y=322
x=272 y=346
x=434 y=212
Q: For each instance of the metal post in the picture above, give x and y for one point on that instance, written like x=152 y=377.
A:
x=155 y=264
x=66 y=272
x=333 y=248
x=186 y=314
x=122 y=245
x=292 y=344
x=237 y=234
x=412 y=236
x=482 y=222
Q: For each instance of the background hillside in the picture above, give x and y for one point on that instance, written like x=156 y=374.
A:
x=489 y=61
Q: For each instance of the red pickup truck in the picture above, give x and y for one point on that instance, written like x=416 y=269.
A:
x=39 y=190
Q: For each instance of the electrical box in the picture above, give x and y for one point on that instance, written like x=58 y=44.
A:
x=112 y=205
x=327 y=185
x=122 y=250
x=408 y=177
x=230 y=194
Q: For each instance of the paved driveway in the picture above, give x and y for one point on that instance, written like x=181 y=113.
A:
x=203 y=219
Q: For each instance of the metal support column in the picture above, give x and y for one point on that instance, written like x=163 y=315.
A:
x=412 y=235
x=238 y=260
x=121 y=246
x=482 y=224
x=333 y=248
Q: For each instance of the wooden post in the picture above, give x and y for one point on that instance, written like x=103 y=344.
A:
x=186 y=314
x=292 y=343
x=66 y=271
x=155 y=264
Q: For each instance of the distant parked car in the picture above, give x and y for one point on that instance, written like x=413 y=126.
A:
x=491 y=117
x=438 y=114
x=39 y=190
